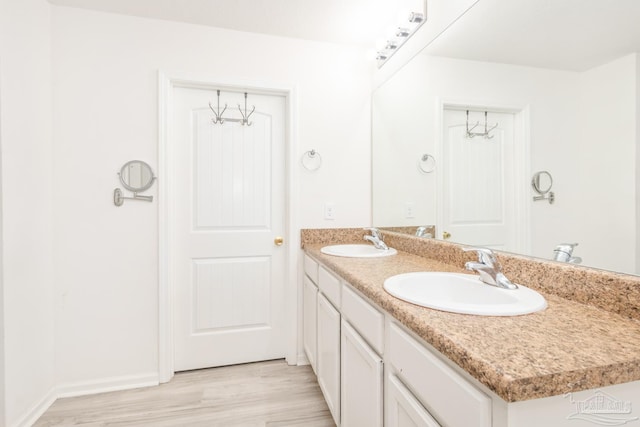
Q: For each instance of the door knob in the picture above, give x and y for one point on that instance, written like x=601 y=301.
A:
x=278 y=241
x=446 y=235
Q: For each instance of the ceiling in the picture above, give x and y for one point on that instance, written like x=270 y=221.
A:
x=358 y=22
x=561 y=34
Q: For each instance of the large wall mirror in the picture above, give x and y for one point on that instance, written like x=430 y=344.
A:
x=512 y=88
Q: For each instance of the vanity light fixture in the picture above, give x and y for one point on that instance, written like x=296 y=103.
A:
x=404 y=31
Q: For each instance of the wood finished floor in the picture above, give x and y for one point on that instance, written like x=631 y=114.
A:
x=265 y=394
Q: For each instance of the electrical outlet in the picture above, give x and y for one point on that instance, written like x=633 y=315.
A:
x=329 y=211
x=409 y=210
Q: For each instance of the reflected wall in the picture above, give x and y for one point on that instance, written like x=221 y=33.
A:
x=580 y=126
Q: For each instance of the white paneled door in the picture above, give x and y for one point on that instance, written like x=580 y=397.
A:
x=228 y=267
x=479 y=199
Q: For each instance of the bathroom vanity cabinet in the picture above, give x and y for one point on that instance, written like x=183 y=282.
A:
x=375 y=371
x=367 y=364
x=349 y=370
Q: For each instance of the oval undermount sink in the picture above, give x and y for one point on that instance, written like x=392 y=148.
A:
x=357 y=251
x=463 y=293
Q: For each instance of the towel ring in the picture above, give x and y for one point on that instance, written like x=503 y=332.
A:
x=427 y=163
x=311 y=160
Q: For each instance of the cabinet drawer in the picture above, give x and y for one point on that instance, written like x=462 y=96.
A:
x=367 y=320
x=330 y=286
x=311 y=268
x=437 y=385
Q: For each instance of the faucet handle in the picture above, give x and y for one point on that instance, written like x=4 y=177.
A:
x=485 y=256
x=374 y=232
x=566 y=247
x=564 y=251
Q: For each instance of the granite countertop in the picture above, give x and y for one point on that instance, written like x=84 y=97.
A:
x=568 y=347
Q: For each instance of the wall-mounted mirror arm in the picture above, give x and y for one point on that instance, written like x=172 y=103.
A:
x=550 y=196
x=119 y=198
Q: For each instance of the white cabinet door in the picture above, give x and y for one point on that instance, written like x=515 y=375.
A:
x=403 y=409
x=310 y=301
x=328 y=363
x=361 y=392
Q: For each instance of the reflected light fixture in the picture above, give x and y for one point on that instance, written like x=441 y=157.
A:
x=416 y=17
x=401 y=35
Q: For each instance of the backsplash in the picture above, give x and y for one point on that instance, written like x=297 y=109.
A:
x=429 y=229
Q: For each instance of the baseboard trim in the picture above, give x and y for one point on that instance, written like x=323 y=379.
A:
x=83 y=389
x=36 y=411
x=107 y=384
x=302 y=359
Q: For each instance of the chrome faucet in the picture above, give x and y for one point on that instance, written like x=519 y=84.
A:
x=422 y=232
x=489 y=268
x=563 y=253
x=376 y=238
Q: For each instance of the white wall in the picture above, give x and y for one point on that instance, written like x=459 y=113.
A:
x=105 y=105
x=637 y=178
x=582 y=131
x=2 y=316
x=27 y=269
x=604 y=187
x=407 y=106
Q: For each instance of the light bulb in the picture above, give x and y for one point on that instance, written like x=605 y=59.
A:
x=391 y=45
x=416 y=17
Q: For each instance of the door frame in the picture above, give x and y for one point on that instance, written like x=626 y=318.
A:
x=521 y=153
x=167 y=81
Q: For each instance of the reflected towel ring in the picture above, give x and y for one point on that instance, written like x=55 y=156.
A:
x=311 y=160
x=427 y=163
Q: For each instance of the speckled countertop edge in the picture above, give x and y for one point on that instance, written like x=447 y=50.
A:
x=573 y=345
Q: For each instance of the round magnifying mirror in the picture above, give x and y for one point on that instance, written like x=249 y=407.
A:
x=136 y=176
x=542 y=182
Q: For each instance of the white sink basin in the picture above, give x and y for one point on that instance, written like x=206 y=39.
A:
x=357 y=251
x=463 y=293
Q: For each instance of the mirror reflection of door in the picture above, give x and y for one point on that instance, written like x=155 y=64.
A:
x=478 y=201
